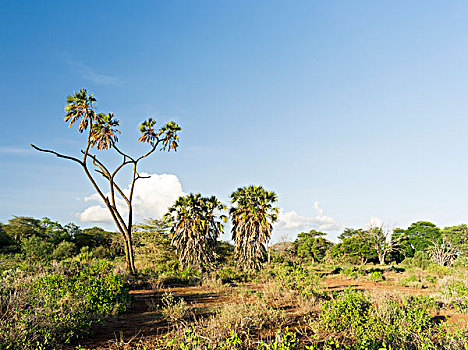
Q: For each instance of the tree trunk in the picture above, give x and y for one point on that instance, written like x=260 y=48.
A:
x=382 y=259
x=129 y=255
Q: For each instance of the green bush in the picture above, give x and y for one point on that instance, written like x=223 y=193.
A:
x=57 y=304
x=64 y=250
x=36 y=248
x=349 y=311
x=298 y=278
x=376 y=276
x=420 y=260
x=455 y=293
x=411 y=281
x=402 y=323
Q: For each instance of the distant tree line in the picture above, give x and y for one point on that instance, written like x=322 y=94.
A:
x=421 y=242
x=42 y=239
x=188 y=237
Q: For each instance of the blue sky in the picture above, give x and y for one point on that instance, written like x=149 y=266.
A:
x=358 y=105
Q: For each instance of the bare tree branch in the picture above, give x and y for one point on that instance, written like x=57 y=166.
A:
x=57 y=154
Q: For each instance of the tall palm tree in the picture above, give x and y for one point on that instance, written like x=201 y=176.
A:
x=252 y=214
x=102 y=135
x=196 y=225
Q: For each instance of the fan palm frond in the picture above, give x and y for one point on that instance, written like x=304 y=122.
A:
x=196 y=225
x=253 y=215
x=80 y=106
x=104 y=131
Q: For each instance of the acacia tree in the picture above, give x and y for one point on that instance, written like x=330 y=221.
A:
x=196 y=224
x=381 y=239
x=312 y=245
x=101 y=130
x=252 y=214
x=355 y=243
x=442 y=253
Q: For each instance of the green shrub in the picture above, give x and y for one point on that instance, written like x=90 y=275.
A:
x=57 y=304
x=229 y=275
x=298 y=278
x=349 y=311
x=350 y=272
x=411 y=281
x=36 y=248
x=284 y=340
x=64 y=250
x=188 y=276
x=173 y=308
x=420 y=260
x=455 y=293
x=461 y=261
x=376 y=276
x=366 y=325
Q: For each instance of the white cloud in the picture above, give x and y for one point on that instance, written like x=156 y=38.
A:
x=95 y=213
x=152 y=197
x=292 y=221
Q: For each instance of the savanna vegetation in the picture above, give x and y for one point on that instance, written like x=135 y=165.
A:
x=171 y=283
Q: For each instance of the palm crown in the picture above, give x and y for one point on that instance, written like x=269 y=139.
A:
x=196 y=225
x=167 y=134
x=80 y=105
x=103 y=131
x=253 y=216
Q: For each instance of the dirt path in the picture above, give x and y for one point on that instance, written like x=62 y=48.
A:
x=144 y=321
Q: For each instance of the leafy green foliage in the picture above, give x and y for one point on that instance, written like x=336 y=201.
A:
x=295 y=277
x=363 y=324
x=422 y=234
x=284 y=340
x=376 y=276
x=153 y=244
x=311 y=245
x=458 y=237
x=36 y=249
x=349 y=312
x=20 y=227
x=64 y=250
x=456 y=294
x=58 y=304
x=355 y=247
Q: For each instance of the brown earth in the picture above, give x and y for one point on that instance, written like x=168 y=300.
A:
x=143 y=322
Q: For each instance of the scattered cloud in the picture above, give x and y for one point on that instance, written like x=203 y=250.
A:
x=152 y=197
x=90 y=74
x=292 y=221
x=14 y=150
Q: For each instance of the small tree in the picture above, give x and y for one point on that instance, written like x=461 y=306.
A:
x=153 y=242
x=196 y=225
x=442 y=253
x=381 y=239
x=422 y=234
x=312 y=245
x=252 y=215
x=354 y=247
x=102 y=134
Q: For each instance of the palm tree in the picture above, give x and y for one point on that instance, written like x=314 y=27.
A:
x=102 y=135
x=252 y=215
x=104 y=132
x=196 y=225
